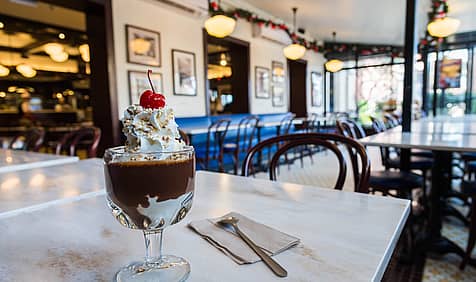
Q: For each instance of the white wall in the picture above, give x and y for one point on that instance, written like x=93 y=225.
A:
x=181 y=30
x=178 y=30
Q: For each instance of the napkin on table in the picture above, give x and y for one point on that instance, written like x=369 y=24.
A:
x=268 y=239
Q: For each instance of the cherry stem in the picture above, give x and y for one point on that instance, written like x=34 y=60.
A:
x=149 y=72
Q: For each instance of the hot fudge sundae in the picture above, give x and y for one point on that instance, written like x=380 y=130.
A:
x=150 y=180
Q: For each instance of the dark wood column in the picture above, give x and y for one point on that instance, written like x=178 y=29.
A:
x=410 y=56
x=103 y=79
x=424 y=88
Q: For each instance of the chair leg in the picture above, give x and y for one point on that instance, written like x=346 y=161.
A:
x=472 y=234
x=236 y=161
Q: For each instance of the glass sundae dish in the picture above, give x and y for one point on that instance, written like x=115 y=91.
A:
x=150 y=184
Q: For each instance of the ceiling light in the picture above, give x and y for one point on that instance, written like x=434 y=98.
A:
x=220 y=26
x=4 y=71
x=84 y=51
x=2 y=25
x=61 y=35
x=53 y=48
x=294 y=51
x=443 y=27
x=334 y=65
x=26 y=70
x=223 y=61
x=3 y=94
x=60 y=57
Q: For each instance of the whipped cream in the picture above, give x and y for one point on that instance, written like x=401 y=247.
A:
x=151 y=130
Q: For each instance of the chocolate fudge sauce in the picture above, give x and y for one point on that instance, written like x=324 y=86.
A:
x=132 y=183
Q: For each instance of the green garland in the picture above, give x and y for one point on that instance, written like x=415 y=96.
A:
x=238 y=13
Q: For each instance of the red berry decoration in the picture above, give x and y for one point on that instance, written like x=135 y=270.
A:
x=149 y=98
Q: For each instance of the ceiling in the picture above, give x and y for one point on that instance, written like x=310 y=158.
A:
x=361 y=21
x=45 y=13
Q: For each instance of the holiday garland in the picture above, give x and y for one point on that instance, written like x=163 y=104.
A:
x=214 y=9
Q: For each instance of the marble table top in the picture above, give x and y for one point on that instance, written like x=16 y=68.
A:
x=12 y=160
x=39 y=187
x=345 y=236
x=435 y=126
x=425 y=141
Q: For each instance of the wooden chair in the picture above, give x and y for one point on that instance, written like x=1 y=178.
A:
x=325 y=140
x=86 y=138
x=247 y=131
x=384 y=181
x=30 y=140
x=214 y=145
x=184 y=137
x=468 y=188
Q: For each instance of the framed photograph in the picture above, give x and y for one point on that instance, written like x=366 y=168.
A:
x=184 y=73
x=138 y=82
x=143 y=46
x=262 y=82
x=278 y=87
x=316 y=89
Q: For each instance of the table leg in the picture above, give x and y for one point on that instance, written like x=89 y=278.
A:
x=440 y=184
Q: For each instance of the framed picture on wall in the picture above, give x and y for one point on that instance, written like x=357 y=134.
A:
x=316 y=89
x=138 y=82
x=262 y=83
x=143 y=46
x=184 y=73
x=278 y=83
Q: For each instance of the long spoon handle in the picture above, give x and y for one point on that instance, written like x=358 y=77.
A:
x=269 y=261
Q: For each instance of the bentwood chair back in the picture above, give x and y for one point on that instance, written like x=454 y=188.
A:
x=86 y=138
x=184 y=137
x=30 y=140
x=216 y=135
x=245 y=136
x=326 y=140
x=286 y=124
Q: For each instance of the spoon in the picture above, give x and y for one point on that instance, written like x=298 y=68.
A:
x=270 y=262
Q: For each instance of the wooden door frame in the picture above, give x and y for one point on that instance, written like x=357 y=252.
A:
x=103 y=77
x=232 y=40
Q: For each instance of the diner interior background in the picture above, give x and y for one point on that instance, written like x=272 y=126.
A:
x=46 y=51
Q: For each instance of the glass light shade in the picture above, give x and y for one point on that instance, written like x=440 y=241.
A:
x=84 y=51
x=294 y=51
x=26 y=70
x=334 y=65
x=140 y=45
x=4 y=71
x=53 y=48
x=220 y=26
x=443 y=27
x=60 y=57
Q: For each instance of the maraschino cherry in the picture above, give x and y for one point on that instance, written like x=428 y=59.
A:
x=151 y=99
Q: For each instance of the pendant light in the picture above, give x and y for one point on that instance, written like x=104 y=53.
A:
x=443 y=27
x=294 y=51
x=334 y=65
x=4 y=71
x=26 y=70
x=220 y=25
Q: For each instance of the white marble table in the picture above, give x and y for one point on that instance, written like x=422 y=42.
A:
x=344 y=236
x=443 y=125
x=426 y=141
x=12 y=160
x=32 y=189
x=443 y=145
